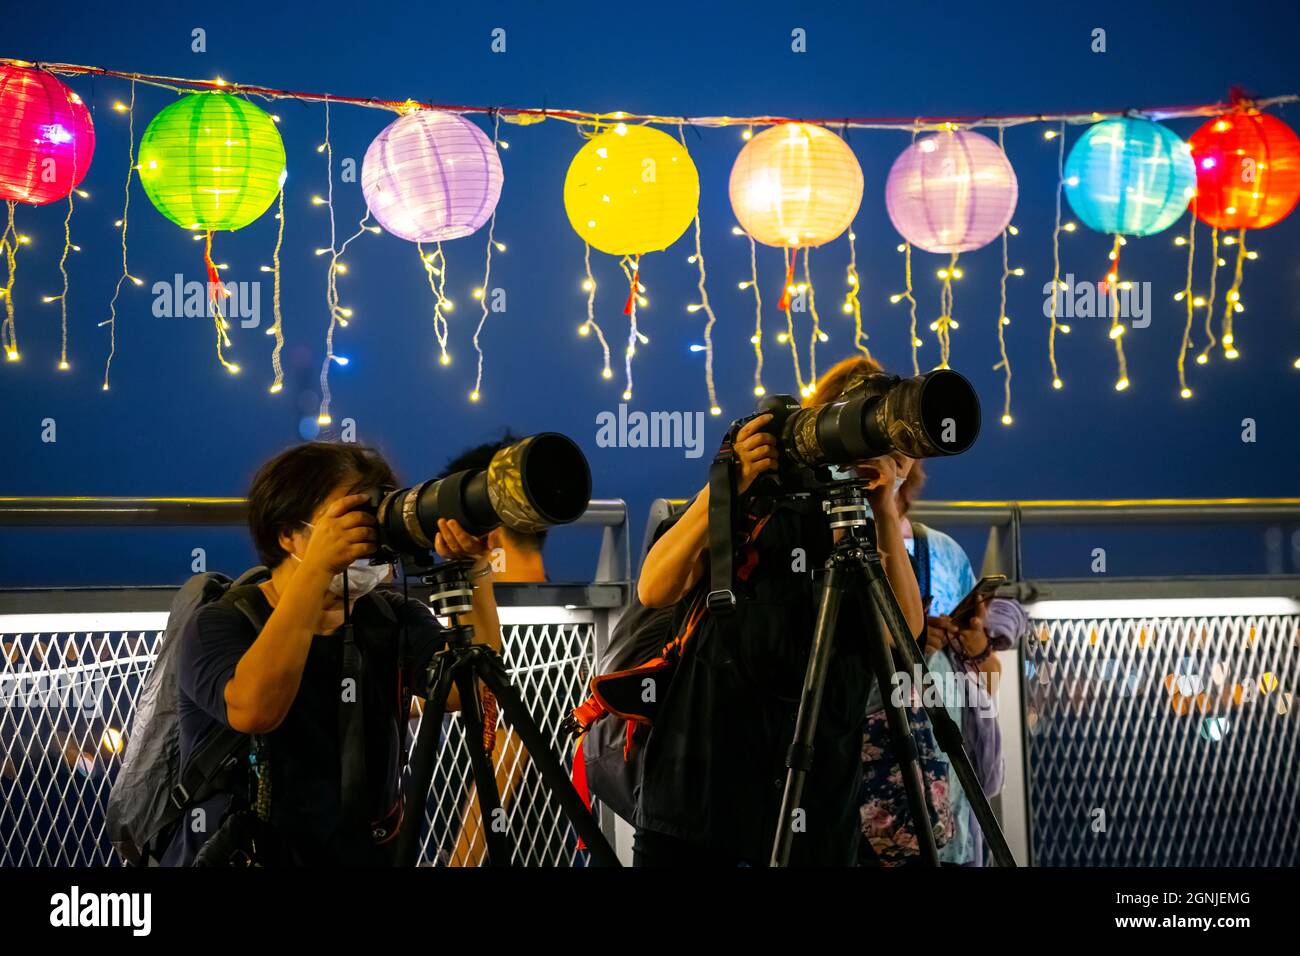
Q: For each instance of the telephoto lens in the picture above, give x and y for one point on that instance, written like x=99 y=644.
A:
x=928 y=416
x=537 y=482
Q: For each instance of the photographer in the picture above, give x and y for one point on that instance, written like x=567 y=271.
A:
x=283 y=685
x=715 y=761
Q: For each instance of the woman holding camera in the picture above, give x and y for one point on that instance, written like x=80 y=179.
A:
x=279 y=682
x=715 y=761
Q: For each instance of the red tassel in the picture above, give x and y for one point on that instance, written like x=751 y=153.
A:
x=784 y=303
x=215 y=289
x=631 y=295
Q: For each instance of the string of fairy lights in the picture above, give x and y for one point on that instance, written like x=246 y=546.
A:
x=797 y=294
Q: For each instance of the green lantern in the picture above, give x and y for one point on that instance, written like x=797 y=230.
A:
x=211 y=161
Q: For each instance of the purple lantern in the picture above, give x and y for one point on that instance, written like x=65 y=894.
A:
x=431 y=176
x=951 y=192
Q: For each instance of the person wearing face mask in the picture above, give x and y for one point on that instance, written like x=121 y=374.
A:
x=714 y=764
x=282 y=685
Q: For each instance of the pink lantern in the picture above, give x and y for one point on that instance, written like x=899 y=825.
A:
x=951 y=192
x=431 y=176
x=46 y=136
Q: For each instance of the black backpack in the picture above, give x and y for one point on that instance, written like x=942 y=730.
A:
x=610 y=747
x=152 y=789
x=614 y=722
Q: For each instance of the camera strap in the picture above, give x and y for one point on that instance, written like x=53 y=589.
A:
x=921 y=560
x=722 y=518
x=352 y=740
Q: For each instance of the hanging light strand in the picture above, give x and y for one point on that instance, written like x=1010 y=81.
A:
x=701 y=284
x=435 y=271
x=909 y=295
x=1210 y=339
x=631 y=266
x=1005 y=363
x=277 y=325
x=63 y=273
x=111 y=321
x=757 y=339
x=591 y=325
x=788 y=334
x=817 y=334
x=216 y=291
x=10 y=241
x=484 y=290
x=1056 y=259
x=852 y=304
x=1116 y=327
x=1232 y=299
x=339 y=315
x=943 y=326
x=1189 y=300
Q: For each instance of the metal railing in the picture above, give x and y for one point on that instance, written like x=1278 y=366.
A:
x=72 y=661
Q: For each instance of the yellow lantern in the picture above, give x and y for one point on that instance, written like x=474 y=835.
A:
x=631 y=190
x=795 y=185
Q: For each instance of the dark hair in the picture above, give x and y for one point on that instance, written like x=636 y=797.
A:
x=480 y=456
x=287 y=490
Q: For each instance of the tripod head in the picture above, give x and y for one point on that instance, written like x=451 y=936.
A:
x=847 y=510
x=451 y=595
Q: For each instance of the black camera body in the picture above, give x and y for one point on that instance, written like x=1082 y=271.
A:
x=931 y=415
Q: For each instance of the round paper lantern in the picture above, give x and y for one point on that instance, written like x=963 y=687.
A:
x=1129 y=176
x=1247 y=170
x=431 y=176
x=631 y=190
x=951 y=192
x=46 y=136
x=795 y=185
x=211 y=161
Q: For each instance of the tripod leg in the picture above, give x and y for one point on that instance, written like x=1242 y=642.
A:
x=485 y=778
x=492 y=672
x=949 y=736
x=799 y=757
x=946 y=731
x=416 y=796
x=900 y=730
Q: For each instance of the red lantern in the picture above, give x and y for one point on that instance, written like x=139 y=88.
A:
x=1247 y=170
x=46 y=136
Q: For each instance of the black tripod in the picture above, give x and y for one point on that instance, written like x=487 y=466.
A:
x=855 y=564
x=463 y=664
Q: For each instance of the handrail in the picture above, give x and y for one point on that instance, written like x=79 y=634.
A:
x=1006 y=519
x=612 y=565
x=81 y=511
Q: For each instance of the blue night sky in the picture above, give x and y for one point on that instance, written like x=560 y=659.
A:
x=175 y=423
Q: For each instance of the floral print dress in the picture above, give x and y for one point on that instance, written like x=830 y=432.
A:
x=886 y=819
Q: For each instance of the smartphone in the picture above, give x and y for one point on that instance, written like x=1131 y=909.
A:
x=983 y=589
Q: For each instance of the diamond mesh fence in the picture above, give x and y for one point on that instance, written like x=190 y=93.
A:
x=1164 y=742
x=66 y=699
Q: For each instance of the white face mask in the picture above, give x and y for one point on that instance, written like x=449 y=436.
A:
x=362 y=577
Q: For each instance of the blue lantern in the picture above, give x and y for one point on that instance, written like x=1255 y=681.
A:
x=1129 y=176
